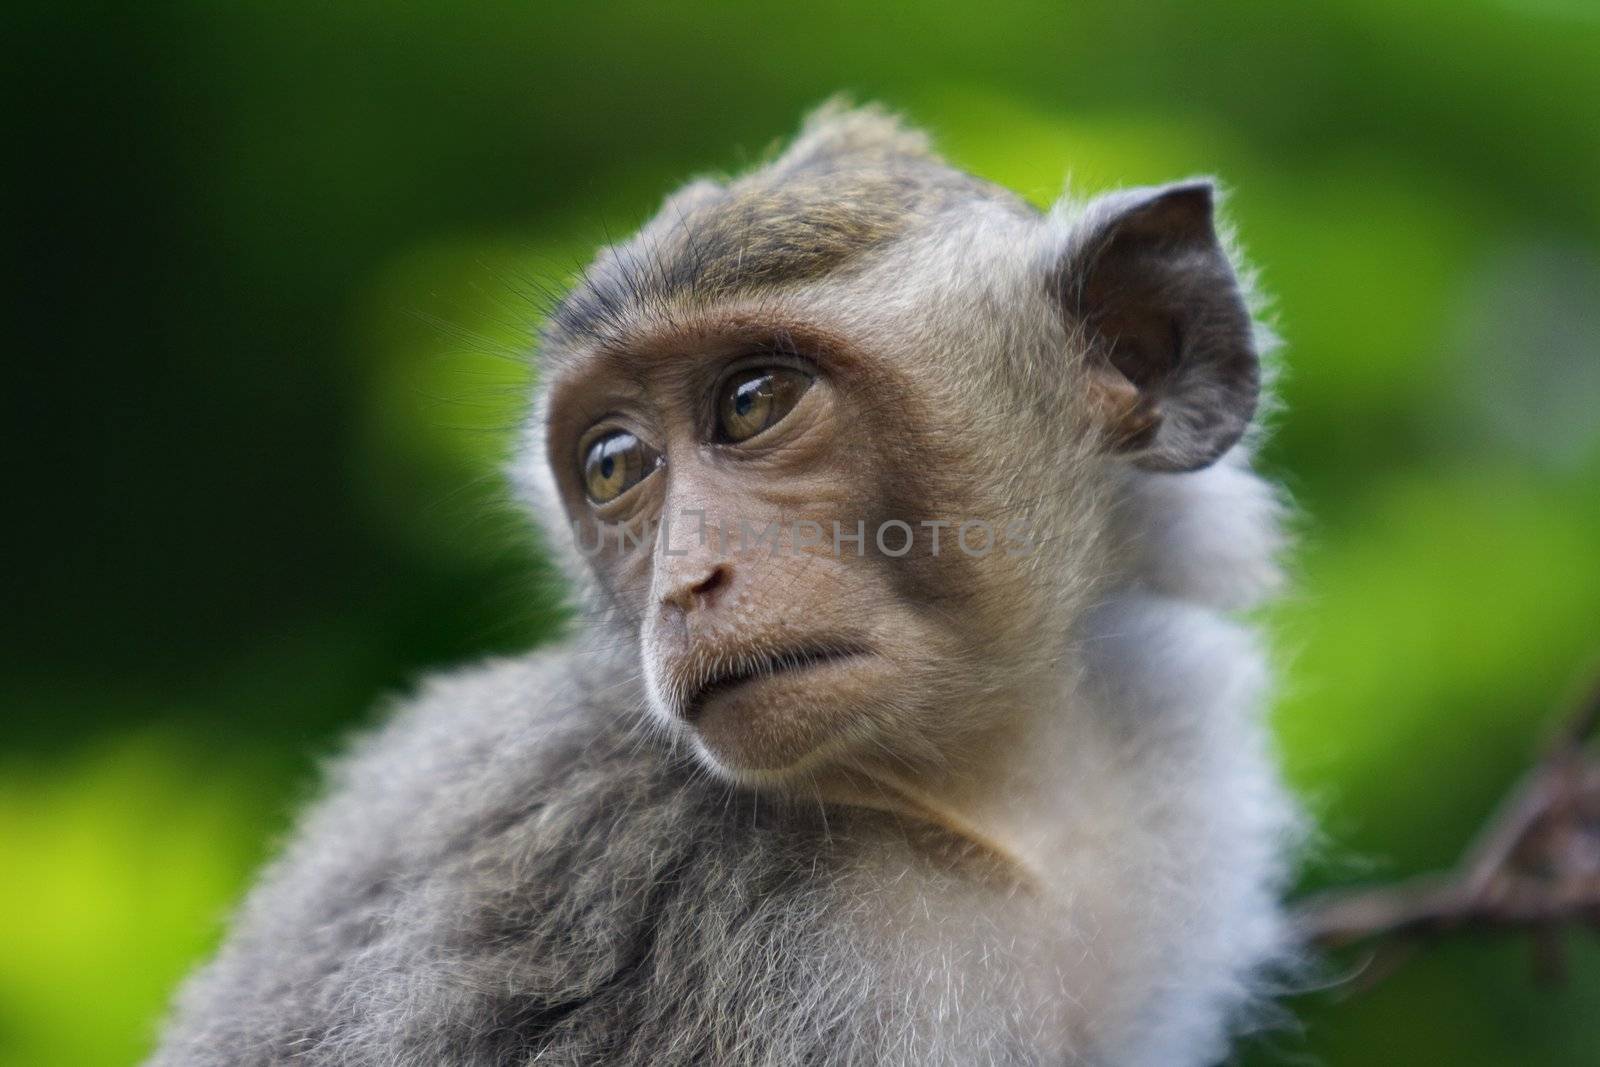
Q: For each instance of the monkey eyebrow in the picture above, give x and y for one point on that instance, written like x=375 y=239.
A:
x=758 y=327
x=605 y=313
x=757 y=244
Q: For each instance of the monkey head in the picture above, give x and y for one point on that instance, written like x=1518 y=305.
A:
x=833 y=445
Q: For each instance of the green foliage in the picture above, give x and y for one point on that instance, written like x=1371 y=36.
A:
x=120 y=865
x=291 y=260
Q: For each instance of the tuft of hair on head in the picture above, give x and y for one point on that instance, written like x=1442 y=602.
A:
x=853 y=182
x=840 y=132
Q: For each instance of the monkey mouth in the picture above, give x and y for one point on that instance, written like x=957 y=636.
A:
x=749 y=669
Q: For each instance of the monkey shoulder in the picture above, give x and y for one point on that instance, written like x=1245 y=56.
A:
x=513 y=864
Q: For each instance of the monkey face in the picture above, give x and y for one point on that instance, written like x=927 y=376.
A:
x=776 y=513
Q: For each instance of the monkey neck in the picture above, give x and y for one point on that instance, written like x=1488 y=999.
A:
x=1000 y=800
x=906 y=798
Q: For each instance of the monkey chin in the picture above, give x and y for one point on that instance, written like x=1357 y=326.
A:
x=782 y=729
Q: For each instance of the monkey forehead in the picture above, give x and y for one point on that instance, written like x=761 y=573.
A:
x=745 y=242
x=820 y=209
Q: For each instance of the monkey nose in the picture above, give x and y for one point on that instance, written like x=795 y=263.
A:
x=698 y=592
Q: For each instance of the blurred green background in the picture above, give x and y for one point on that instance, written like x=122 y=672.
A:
x=273 y=264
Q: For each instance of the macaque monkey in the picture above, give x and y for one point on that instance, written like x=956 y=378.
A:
x=907 y=719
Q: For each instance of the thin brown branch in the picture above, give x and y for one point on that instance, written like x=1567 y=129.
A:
x=1534 y=868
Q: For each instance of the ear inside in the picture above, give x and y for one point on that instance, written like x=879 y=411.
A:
x=1172 y=363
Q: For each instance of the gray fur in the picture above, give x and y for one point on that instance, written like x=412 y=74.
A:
x=509 y=874
x=852 y=182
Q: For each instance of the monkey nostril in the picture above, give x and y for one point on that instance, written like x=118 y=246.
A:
x=704 y=592
x=701 y=593
x=712 y=583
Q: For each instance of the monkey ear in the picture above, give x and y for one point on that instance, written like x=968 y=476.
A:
x=1172 y=361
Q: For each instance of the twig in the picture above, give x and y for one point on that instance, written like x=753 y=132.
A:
x=1534 y=868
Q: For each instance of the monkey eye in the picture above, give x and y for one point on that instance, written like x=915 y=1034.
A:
x=615 y=463
x=753 y=400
